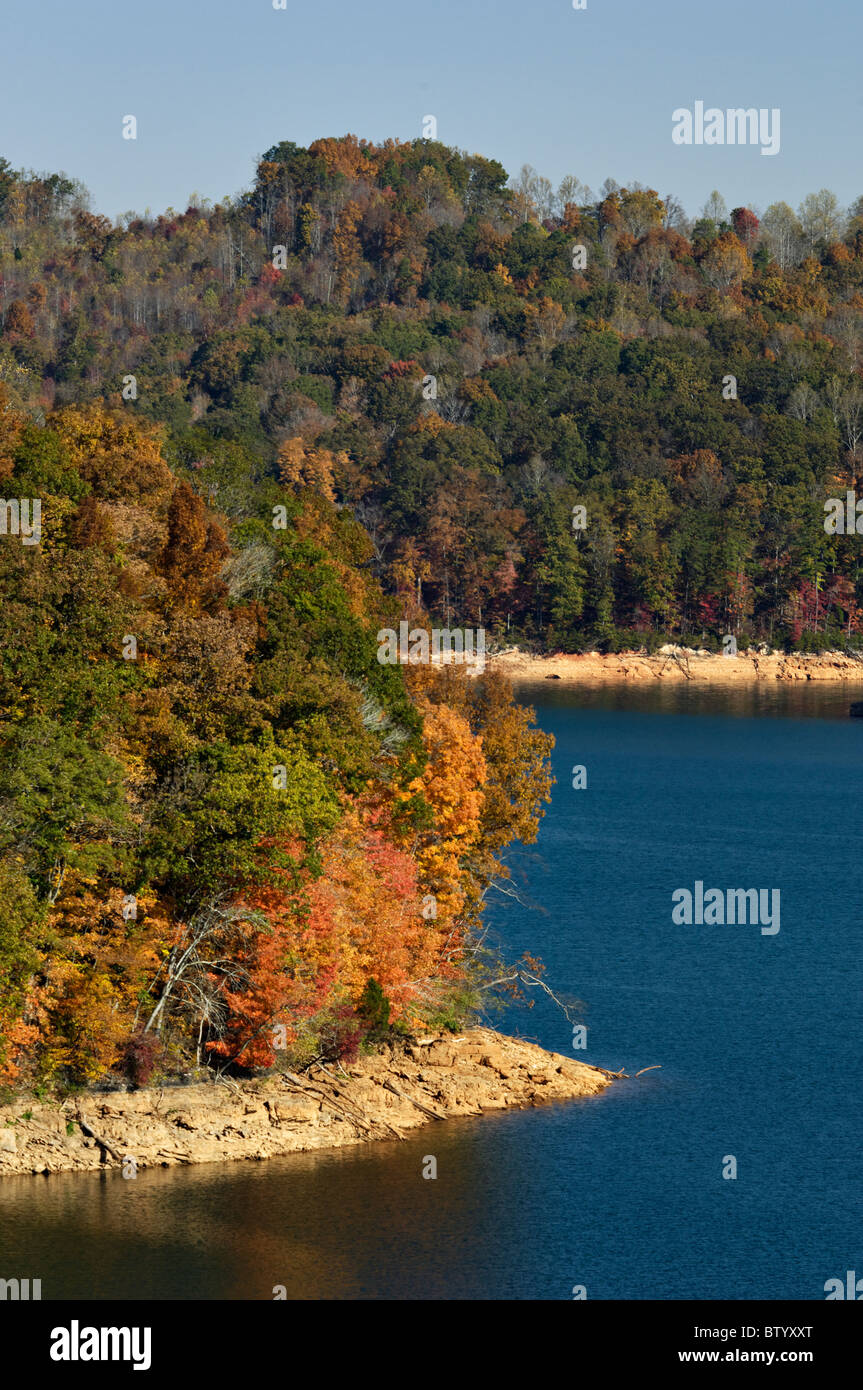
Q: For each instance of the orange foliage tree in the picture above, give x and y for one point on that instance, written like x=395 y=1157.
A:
x=193 y=553
x=452 y=784
x=315 y=949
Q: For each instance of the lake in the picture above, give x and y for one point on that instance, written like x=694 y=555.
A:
x=756 y=1036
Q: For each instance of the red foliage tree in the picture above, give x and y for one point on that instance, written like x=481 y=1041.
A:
x=745 y=225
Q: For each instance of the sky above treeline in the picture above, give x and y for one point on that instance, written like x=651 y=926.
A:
x=214 y=83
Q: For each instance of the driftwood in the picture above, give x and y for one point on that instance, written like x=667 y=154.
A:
x=103 y=1143
x=657 y=1066
x=432 y=1114
x=377 y=1125
x=356 y=1118
x=347 y=1100
x=308 y=1088
x=680 y=660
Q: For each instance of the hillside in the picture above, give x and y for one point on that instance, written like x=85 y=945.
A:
x=577 y=420
x=383 y=385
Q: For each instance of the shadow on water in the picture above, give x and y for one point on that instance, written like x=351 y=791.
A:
x=777 y=699
x=359 y=1222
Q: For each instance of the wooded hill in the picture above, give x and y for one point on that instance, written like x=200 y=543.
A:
x=226 y=830
x=467 y=362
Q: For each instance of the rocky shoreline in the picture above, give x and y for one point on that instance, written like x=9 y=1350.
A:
x=380 y=1096
x=678 y=665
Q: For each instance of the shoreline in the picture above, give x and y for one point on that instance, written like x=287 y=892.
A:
x=382 y=1096
x=677 y=665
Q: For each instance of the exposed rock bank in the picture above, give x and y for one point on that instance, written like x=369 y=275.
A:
x=378 y=1097
x=679 y=664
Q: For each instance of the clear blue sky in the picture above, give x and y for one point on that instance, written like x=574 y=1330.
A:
x=213 y=83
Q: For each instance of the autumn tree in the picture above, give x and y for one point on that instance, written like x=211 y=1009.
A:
x=301 y=466
x=119 y=457
x=193 y=554
x=726 y=264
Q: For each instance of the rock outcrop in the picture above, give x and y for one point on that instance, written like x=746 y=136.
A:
x=380 y=1096
x=678 y=665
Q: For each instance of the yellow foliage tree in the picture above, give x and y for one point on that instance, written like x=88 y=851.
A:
x=453 y=784
x=300 y=466
x=120 y=457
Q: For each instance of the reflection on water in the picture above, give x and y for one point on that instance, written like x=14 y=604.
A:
x=778 y=699
x=351 y=1223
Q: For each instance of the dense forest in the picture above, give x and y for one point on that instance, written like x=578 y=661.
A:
x=386 y=383
x=226 y=829
x=464 y=363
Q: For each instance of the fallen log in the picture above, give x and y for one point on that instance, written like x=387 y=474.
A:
x=103 y=1143
x=432 y=1114
x=346 y=1100
x=358 y=1120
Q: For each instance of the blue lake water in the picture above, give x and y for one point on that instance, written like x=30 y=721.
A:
x=757 y=1037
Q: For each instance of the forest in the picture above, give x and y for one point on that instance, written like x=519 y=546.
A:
x=385 y=383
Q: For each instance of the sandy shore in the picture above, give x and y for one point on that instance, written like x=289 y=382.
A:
x=678 y=664
x=382 y=1096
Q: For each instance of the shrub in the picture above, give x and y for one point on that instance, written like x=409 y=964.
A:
x=374 y=1010
x=139 y=1058
x=341 y=1035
